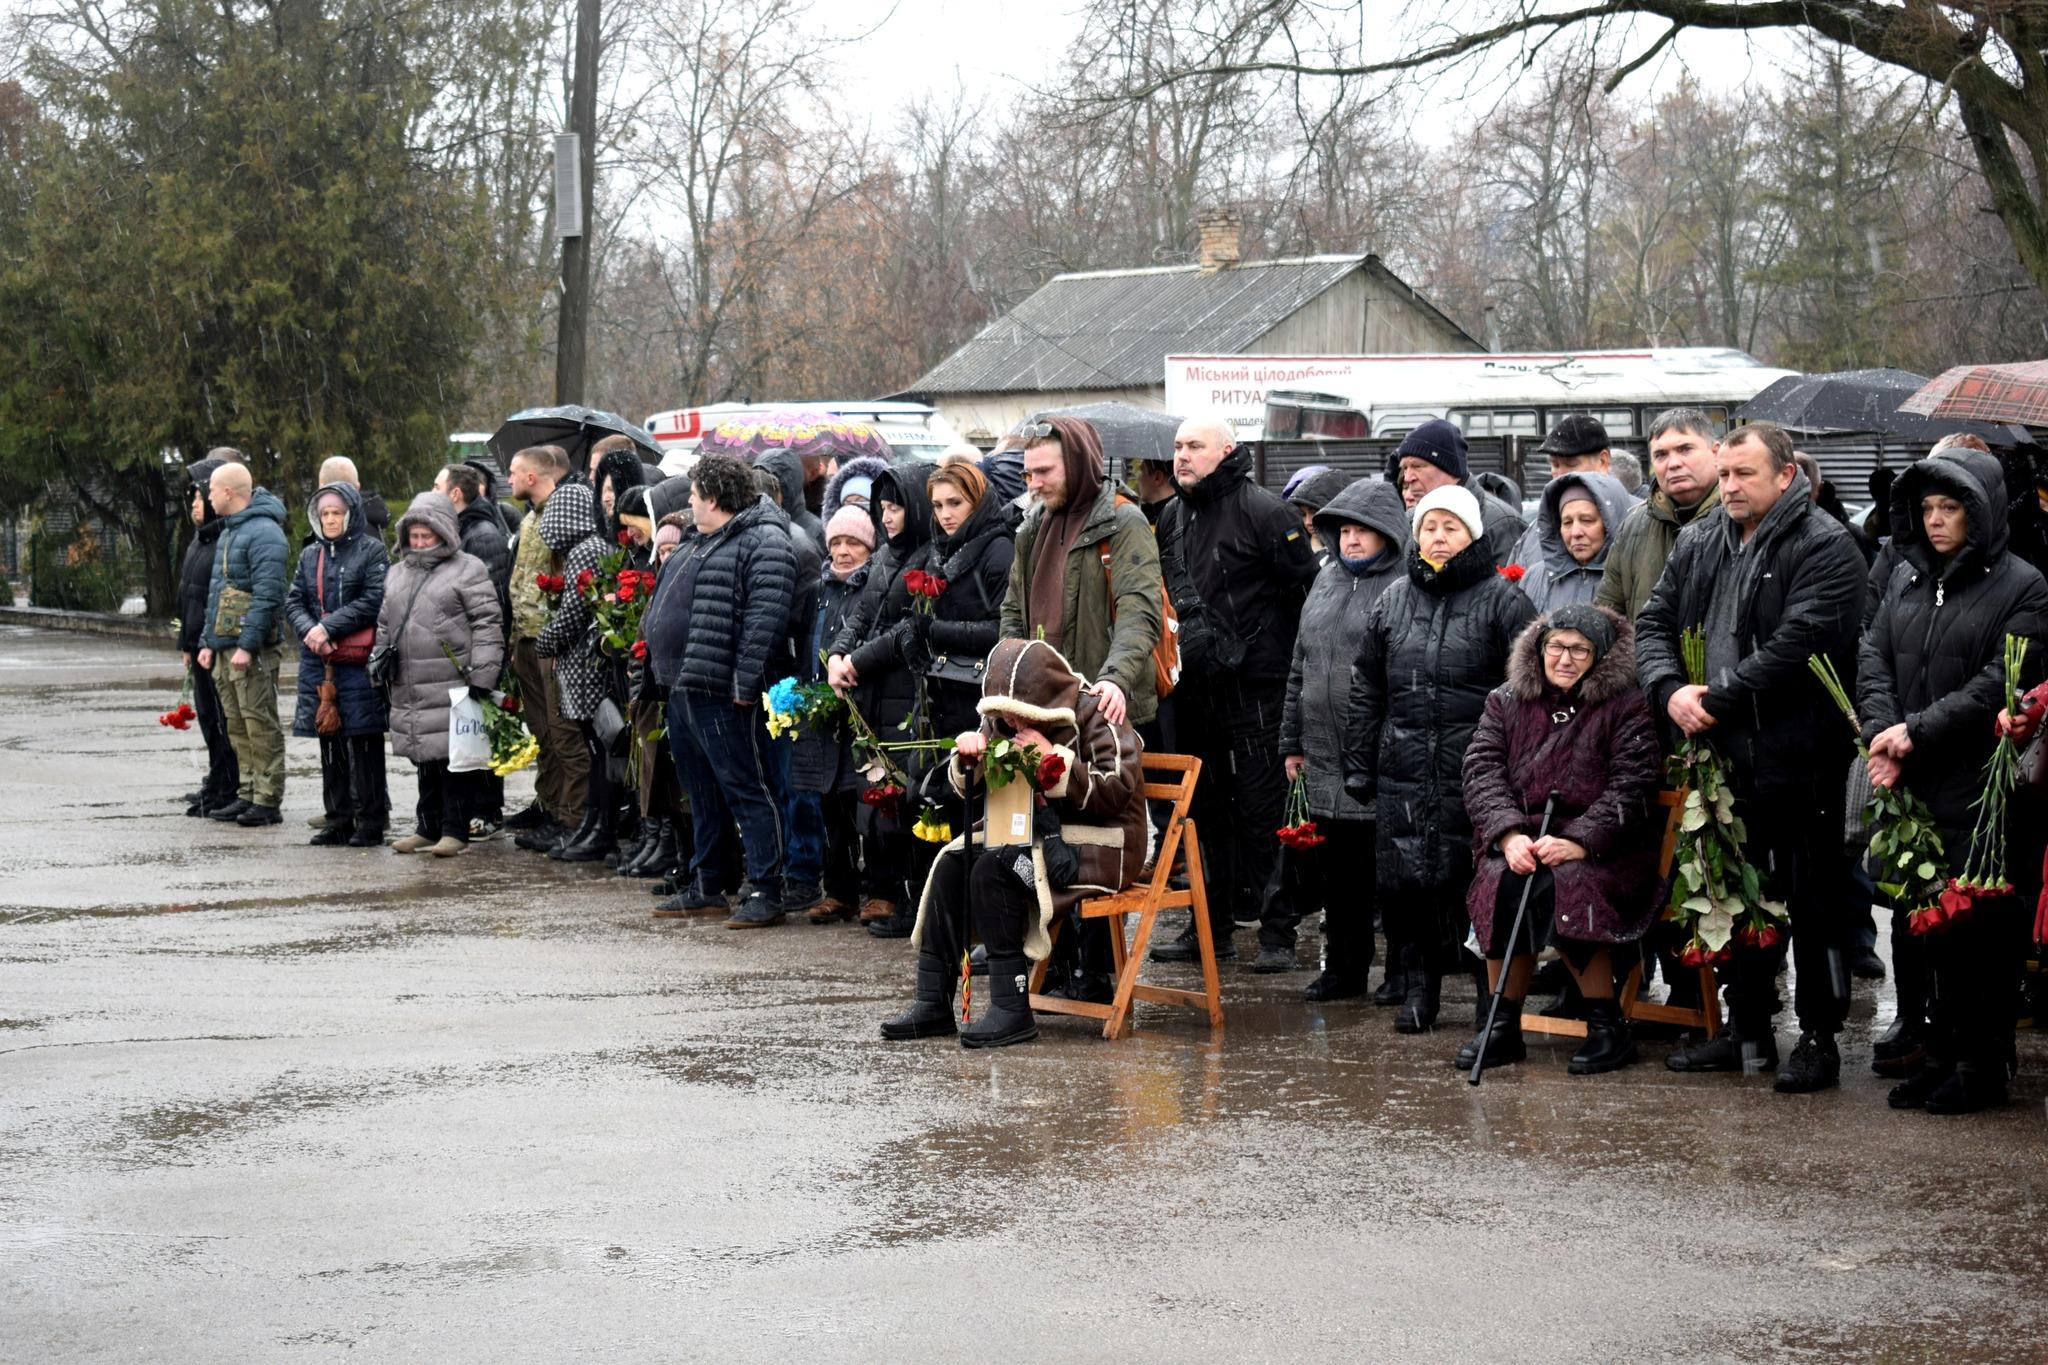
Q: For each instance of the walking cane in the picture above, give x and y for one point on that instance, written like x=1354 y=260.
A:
x=1507 y=961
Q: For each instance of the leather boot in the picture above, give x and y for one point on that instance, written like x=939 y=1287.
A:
x=1393 y=987
x=1608 y=1044
x=930 y=1015
x=594 y=844
x=629 y=853
x=582 y=831
x=1502 y=1043
x=1422 y=992
x=661 y=853
x=1008 y=1018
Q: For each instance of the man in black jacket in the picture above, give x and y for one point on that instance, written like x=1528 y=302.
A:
x=195 y=581
x=1769 y=579
x=486 y=536
x=720 y=615
x=1248 y=559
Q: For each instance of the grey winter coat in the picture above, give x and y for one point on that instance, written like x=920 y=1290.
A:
x=1332 y=629
x=568 y=526
x=349 y=571
x=255 y=557
x=434 y=599
x=1550 y=576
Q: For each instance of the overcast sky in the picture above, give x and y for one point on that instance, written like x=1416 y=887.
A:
x=916 y=47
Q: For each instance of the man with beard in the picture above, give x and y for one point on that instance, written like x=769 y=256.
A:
x=1086 y=581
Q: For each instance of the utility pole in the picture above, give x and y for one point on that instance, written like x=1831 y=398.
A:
x=573 y=325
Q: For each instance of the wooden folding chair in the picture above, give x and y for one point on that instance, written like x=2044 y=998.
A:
x=1707 y=1016
x=1145 y=901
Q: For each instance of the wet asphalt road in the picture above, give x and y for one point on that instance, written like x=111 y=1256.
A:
x=265 y=1102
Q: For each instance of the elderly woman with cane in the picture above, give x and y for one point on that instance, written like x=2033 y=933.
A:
x=1572 y=728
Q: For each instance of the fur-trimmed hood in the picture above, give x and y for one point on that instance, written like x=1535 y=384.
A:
x=1030 y=681
x=860 y=467
x=1613 y=675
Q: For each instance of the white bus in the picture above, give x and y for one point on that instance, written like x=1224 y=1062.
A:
x=1486 y=394
x=913 y=430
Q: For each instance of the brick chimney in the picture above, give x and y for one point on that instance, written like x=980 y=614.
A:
x=1219 y=241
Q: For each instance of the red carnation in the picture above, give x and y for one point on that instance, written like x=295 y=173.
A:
x=186 y=712
x=1512 y=573
x=1051 y=769
x=639 y=649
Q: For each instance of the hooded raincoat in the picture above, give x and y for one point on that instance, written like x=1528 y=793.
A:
x=1332 y=631
x=568 y=526
x=1551 y=577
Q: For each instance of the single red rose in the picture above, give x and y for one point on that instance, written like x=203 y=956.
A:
x=1695 y=955
x=626 y=592
x=541 y=581
x=913 y=582
x=1051 y=769
x=625 y=536
x=511 y=706
x=584 y=580
x=1512 y=573
x=639 y=649
x=934 y=585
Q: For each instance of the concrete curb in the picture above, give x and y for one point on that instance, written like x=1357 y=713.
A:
x=88 y=622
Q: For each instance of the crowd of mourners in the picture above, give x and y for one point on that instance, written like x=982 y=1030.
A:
x=1475 y=711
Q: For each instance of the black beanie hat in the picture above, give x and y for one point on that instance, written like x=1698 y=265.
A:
x=1588 y=620
x=1438 y=442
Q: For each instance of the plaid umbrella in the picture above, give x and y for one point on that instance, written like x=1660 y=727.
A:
x=811 y=434
x=1989 y=393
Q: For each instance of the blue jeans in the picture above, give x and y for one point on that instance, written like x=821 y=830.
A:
x=723 y=754
x=803 y=818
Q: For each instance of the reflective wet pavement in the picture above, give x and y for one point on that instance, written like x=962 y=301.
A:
x=264 y=1101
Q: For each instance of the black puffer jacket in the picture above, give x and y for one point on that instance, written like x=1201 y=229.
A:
x=888 y=690
x=195 y=574
x=1248 y=559
x=1436 y=644
x=1332 y=632
x=966 y=621
x=486 y=536
x=823 y=760
x=1799 y=593
x=739 y=604
x=1934 y=654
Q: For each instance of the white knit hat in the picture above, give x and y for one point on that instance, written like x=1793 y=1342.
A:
x=1458 y=502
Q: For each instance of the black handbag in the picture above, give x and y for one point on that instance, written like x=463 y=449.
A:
x=951 y=668
x=612 y=729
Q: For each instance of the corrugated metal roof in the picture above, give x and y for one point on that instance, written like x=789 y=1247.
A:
x=1113 y=329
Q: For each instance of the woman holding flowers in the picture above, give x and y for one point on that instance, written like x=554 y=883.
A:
x=966 y=574
x=1087 y=837
x=1571 y=720
x=869 y=662
x=1436 y=644
x=1930 y=685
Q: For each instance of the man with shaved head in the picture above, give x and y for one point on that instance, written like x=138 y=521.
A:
x=1246 y=556
x=243 y=637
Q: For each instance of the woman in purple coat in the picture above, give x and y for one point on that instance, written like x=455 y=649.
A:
x=1572 y=720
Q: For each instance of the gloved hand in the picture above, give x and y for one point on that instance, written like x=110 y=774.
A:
x=1062 y=864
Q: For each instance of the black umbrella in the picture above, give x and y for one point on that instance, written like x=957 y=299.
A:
x=574 y=428
x=1859 y=401
x=1128 y=432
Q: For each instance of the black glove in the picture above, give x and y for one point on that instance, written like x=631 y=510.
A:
x=1062 y=864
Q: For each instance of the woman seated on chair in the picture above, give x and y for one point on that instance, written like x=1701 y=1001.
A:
x=1087 y=837
x=1570 y=720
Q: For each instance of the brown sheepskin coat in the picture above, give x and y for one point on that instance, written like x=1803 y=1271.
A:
x=1100 y=797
